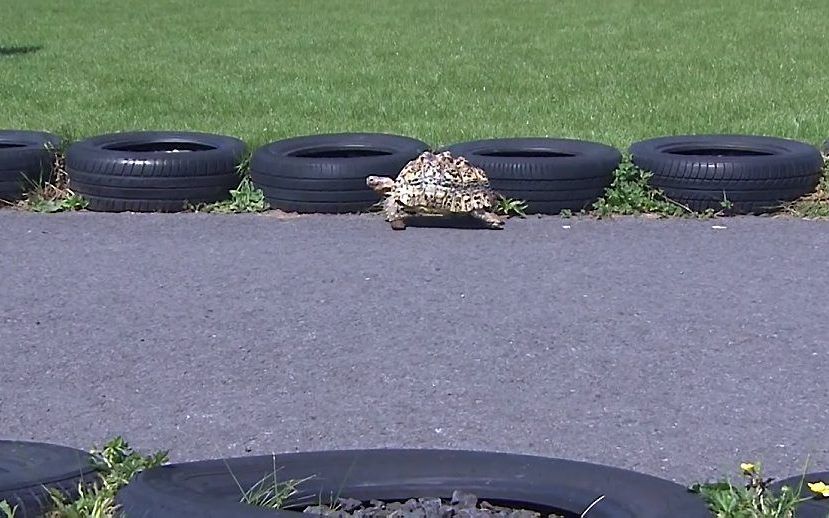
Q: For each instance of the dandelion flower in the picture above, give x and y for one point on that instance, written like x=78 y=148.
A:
x=820 y=488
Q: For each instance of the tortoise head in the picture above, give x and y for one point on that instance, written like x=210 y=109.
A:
x=381 y=184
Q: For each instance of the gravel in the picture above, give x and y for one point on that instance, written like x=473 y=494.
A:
x=461 y=505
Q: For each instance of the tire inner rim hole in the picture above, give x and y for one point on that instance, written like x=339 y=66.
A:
x=526 y=153
x=338 y=152
x=718 y=152
x=160 y=146
x=4 y=145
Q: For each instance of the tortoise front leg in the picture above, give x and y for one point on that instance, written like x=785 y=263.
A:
x=490 y=219
x=394 y=214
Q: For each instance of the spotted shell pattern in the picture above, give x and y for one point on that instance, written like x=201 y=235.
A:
x=443 y=183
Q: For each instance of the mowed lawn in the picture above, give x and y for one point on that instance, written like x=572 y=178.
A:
x=443 y=71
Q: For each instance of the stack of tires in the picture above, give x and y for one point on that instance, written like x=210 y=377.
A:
x=26 y=160
x=551 y=175
x=154 y=171
x=327 y=173
x=736 y=173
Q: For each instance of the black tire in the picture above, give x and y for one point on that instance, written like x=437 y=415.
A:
x=756 y=174
x=26 y=467
x=25 y=161
x=817 y=508
x=550 y=174
x=138 y=171
x=207 y=489
x=327 y=173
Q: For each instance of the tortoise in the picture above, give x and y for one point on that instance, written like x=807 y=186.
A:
x=437 y=184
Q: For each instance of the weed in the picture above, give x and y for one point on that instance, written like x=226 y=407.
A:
x=244 y=198
x=725 y=207
x=54 y=194
x=630 y=193
x=754 y=500
x=243 y=168
x=268 y=491
x=511 y=207
x=7 y=510
x=566 y=213
x=117 y=463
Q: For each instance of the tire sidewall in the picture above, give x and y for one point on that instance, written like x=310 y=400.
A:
x=399 y=474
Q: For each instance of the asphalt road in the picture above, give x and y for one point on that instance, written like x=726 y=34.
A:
x=669 y=347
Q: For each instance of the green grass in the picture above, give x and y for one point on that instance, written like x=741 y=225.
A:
x=608 y=70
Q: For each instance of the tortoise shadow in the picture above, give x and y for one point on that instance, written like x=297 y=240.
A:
x=459 y=222
x=17 y=51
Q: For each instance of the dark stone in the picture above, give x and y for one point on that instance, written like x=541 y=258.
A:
x=349 y=504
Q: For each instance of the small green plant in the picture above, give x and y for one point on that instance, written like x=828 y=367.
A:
x=52 y=195
x=7 y=510
x=726 y=203
x=268 y=492
x=631 y=194
x=725 y=206
x=511 y=207
x=566 y=213
x=39 y=203
x=117 y=463
x=754 y=499
x=244 y=198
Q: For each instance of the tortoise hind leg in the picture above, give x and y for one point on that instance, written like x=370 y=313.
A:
x=394 y=214
x=490 y=219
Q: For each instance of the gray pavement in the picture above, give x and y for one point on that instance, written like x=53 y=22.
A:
x=669 y=347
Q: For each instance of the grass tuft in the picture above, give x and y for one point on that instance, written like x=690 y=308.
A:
x=7 y=510
x=268 y=491
x=117 y=463
x=54 y=194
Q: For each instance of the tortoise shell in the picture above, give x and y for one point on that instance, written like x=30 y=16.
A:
x=443 y=183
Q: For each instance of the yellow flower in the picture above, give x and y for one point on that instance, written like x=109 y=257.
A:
x=820 y=488
x=748 y=468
